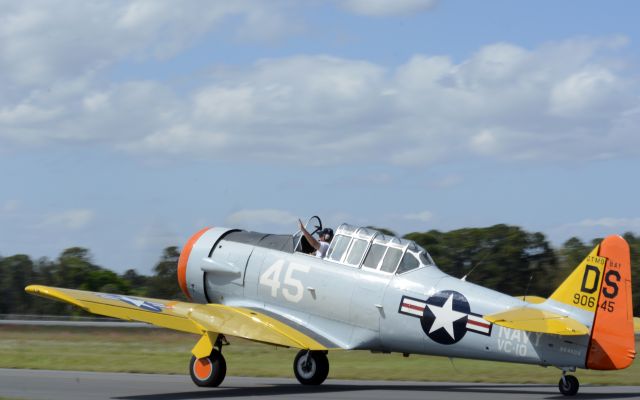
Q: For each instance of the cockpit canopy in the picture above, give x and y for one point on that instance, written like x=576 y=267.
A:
x=374 y=250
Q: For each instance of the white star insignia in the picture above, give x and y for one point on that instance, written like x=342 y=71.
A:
x=445 y=316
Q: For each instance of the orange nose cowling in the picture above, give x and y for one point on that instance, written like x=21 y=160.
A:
x=184 y=258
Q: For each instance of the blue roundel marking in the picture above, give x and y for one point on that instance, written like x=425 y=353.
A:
x=445 y=317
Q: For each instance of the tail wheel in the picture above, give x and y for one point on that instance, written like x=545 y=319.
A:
x=311 y=367
x=568 y=385
x=208 y=371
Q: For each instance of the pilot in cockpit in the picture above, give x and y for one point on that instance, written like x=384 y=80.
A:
x=322 y=243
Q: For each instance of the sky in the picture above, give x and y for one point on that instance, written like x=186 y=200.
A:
x=127 y=126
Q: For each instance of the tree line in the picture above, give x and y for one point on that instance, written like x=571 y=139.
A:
x=502 y=257
x=75 y=269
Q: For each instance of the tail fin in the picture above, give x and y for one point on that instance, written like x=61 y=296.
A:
x=601 y=285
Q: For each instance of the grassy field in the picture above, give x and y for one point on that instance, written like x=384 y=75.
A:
x=162 y=351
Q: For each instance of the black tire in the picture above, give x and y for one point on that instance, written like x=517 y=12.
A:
x=311 y=367
x=209 y=371
x=569 y=385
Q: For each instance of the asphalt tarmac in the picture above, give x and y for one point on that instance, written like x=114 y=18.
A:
x=69 y=385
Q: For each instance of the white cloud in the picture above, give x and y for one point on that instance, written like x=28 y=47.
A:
x=485 y=142
x=422 y=216
x=295 y=109
x=42 y=41
x=591 y=90
x=382 y=8
x=562 y=101
x=69 y=220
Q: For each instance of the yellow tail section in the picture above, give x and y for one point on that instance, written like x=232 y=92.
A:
x=601 y=284
x=582 y=288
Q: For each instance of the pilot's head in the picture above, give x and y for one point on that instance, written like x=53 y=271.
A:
x=326 y=234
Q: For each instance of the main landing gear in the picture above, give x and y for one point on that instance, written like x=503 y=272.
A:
x=208 y=367
x=208 y=370
x=568 y=384
x=311 y=367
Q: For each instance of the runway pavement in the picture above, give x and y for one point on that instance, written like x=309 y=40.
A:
x=53 y=385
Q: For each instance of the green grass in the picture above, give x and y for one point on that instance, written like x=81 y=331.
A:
x=162 y=351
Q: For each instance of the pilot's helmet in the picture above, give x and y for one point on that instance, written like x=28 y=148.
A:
x=326 y=234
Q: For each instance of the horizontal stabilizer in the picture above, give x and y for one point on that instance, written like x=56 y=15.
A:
x=186 y=317
x=534 y=320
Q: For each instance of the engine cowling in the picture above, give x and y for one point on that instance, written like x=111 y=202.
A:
x=190 y=273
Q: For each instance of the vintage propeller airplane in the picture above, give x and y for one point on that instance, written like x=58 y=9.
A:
x=380 y=293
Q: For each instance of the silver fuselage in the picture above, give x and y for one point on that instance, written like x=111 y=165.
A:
x=356 y=308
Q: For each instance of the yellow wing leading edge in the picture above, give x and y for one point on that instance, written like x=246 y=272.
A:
x=208 y=320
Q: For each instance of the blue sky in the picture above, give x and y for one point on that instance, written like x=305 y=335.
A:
x=127 y=126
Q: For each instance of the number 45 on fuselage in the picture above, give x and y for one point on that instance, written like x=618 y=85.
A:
x=379 y=293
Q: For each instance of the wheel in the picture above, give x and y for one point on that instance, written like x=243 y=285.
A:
x=208 y=371
x=568 y=385
x=311 y=367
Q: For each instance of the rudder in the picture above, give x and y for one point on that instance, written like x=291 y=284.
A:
x=612 y=344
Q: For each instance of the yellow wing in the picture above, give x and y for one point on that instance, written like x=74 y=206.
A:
x=534 y=320
x=196 y=318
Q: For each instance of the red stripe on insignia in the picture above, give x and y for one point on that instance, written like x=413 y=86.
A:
x=472 y=322
x=414 y=307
